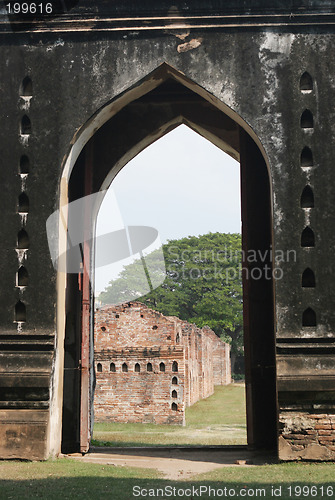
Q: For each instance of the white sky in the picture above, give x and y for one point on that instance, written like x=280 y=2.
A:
x=181 y=185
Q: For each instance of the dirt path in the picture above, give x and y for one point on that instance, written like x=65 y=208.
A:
x=174 y=463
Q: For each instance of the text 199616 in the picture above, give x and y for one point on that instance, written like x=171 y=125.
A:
x=29 y=8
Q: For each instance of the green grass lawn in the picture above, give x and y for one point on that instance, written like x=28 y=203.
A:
x=70 y=479
x=217 y=420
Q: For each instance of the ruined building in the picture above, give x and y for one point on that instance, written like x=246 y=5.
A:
x=149 y=367
x=82 y=91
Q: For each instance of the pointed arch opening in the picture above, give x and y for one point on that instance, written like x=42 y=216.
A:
x=306 y=83
x=22 y=278
x=307 y=120
x=22 y=240
x=162 y=367
x=306 y=158
x=20 y=312
x=308 y=278
x=307 y=197
x=125 y=368
x=307 y=238
x=309 y=317
x=88 y=170
x=26 y=89
x=25 y=126
x=23 y=203
x=24 y=165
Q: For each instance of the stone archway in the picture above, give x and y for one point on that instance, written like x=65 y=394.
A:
x=124 y=127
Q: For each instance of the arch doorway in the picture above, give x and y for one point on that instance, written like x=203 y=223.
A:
x=158 y=104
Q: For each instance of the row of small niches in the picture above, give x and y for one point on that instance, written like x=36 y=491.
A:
x=22 y=244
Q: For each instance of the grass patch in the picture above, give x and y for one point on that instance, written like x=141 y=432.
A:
x=70 y=479
x=217 y=420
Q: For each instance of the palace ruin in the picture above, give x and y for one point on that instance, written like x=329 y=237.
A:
x=149 y=367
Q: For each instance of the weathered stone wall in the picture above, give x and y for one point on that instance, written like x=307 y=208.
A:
x=308 y=436
x=150 y=367
x=248 y=58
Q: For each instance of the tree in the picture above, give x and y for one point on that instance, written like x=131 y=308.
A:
x=203 y=285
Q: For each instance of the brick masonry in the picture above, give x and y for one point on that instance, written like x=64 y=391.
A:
x=307 y=436
x=149 y=367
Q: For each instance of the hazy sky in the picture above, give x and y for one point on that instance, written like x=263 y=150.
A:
x=181 y=185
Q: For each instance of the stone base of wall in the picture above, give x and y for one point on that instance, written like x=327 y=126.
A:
x=306 y=436
x=23 y=434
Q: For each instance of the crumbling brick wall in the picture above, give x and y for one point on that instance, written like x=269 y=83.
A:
x=150 y=367
x=307 y=435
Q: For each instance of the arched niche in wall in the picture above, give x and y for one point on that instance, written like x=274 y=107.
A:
x=308 y=278
x=22 y=240
x=306 y=158
x=26 y=89
x=307 y=120
x=306 y=83
x=307 y=197
x=24 y=165
x=309 y=317
x=307 y=237
x=22 y=278
x=20 y=312
x=23 y=203
x=25 y=125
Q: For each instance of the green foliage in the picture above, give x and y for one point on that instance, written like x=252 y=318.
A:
x=203 y=284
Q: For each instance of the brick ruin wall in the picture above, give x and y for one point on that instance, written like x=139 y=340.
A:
x=150 y=367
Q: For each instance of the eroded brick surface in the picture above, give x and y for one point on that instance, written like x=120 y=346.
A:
x=306 y=436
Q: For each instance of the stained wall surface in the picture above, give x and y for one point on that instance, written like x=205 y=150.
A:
x=250 y=60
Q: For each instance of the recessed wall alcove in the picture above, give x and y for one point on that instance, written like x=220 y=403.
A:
x=307 y=198
x=306 y=83
x=308 y=278
x=26 y=89
x=307 y=120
